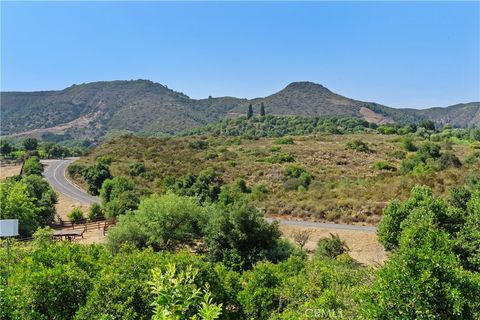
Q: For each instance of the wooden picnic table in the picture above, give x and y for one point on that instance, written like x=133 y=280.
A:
x=69 y=234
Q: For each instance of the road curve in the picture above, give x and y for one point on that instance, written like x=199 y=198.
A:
x=55 y=174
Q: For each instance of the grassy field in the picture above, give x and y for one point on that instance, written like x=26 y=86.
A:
x=346 y=186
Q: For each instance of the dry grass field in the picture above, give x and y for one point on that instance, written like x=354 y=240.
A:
x=8 y=171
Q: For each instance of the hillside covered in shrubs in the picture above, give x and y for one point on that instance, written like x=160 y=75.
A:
x=337 y=177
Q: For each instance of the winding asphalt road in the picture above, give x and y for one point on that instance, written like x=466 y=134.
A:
x=55 y=174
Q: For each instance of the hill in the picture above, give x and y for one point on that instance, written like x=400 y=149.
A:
x=90 y=111
x=314 y=177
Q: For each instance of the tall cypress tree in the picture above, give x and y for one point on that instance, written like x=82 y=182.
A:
x=262 y=109
x=250 y=111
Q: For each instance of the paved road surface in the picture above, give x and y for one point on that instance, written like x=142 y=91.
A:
x=55 y=175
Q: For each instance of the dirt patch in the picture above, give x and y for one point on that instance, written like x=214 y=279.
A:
x=8 y=171
x=66 y=204
x=81 y=122
x=372 y=116
x=364 y=246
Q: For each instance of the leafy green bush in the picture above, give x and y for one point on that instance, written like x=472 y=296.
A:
x=259 y=191
x=428 y=150
x=95 y=211
x=198 y=144
x=280 y=158
x=105 y=159
x=75 y=215
x=177 y=295
x=331 y=247
x=447 y=160
x=17 y=203
x=5 y=147
x=165 y=222
x=30 y=144
x=239 y=236
x=206 y=186
x=407 y=144
x=384 y=165
x=44 y=198
x=32 y=166
x=295 y=177
x=95 y=175
x=137 y=168
x=75 y=170
x=357 y=145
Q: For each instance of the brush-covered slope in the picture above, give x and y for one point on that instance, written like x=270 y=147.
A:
x=89 y=111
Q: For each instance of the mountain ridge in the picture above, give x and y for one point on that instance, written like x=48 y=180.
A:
x=91 y=110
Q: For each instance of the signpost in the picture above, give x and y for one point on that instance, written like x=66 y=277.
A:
x=8 y=228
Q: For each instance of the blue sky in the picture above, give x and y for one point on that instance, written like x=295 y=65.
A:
x=413 y=54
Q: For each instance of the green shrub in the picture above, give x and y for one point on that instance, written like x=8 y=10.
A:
x=95 y=211
x=331 y=247
x=357 y=145
x=75 y=170
x=296 y=177
x=384 y=165
x=95 y=176
x=259 y=191
x=137 y=168
x=105 y=159
x=32 y=166
x=447 y=160
x=76 y=215
x=284 y=140
x=198 y=144
x=30 y=144
x=407 y=144
x=473 y=158
x=428 y=150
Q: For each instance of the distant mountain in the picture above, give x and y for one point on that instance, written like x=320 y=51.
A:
x=89 y=111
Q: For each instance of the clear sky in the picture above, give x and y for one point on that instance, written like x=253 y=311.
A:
x=414 y=54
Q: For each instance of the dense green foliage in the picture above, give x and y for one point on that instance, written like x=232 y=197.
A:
x=28 y=198
x=95 y=175
x=331 y=247
x=118 y=196
x=205 y=186
x=433 y=272
x=275 y=126
x=76 y=215
x=241 y=269
x=32 y=166
x=357 y=145
x=19 y=148
x=70 y=281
